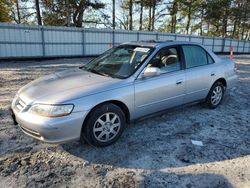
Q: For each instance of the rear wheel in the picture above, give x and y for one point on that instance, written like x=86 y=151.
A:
x=215 y=95
x=104 y=125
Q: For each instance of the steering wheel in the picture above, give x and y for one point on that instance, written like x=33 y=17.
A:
x=166 y=59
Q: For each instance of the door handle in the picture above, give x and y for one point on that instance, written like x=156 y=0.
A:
x=179 y=81
x=212 y=73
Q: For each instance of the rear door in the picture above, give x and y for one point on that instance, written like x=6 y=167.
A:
x=166 y=90
x=199 y=71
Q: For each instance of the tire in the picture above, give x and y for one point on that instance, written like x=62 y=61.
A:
x=104 y=125
x=215 y=95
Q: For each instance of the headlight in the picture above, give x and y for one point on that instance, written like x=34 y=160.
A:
x=51 y=110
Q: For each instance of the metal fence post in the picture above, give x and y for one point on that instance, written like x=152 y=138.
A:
x=202 y=40
x=238 y=46
x=138 y=35
x=223 y=45
x=83 y=42
x=157 y=37
x=213 y=45
x=244 y=45
x=113 y=38
x=175 y=36
x=43 y=41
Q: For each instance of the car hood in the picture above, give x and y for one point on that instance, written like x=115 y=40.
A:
x=66 y=85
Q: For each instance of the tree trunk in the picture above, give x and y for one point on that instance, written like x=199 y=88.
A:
x=225 y=19
x=153 y=15
x=202 y=16
x=149 y=18
x=234 y=28
x=130 y=19
x=38 y=13
x=208 y=28
x=243 y=31
x=243 y=25
x=67 y=12
x=18 y=12
x=173 y=17
x=248 y=35
x=224 y=34
x=78 y=14
x=141 y=15
x=188 y=18
x=113 y=15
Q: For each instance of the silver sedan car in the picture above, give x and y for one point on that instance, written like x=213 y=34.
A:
x=95 y=102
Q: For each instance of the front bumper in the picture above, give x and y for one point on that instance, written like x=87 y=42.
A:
x=50 y=129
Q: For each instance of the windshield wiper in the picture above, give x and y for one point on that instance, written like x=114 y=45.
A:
x=82 y=67
x=100 y=73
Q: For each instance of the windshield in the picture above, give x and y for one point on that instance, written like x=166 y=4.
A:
x=119 y=62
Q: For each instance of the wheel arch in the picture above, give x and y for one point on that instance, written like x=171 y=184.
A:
x=222 y=80
x=118 y=103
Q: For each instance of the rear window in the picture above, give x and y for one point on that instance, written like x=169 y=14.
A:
x=194 y=56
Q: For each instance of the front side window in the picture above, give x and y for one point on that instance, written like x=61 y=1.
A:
x=119 y=62
x=194 y=56
x=210 y=59
x=167 y=60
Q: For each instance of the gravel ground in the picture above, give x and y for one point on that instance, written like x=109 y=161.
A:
x=155 y=152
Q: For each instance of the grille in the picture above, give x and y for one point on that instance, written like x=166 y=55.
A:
x=20 y=104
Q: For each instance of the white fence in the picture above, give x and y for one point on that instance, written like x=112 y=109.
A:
x=17 y=41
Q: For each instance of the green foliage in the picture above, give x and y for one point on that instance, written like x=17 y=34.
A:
x=5 y=11
x=59 y=12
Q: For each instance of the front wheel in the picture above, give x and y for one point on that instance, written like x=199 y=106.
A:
x=104 y=125
x=215 y=95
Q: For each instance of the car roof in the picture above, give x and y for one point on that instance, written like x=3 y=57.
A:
x=157 y=43
x=161 y=44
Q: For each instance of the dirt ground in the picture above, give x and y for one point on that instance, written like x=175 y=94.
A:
x=155 y=152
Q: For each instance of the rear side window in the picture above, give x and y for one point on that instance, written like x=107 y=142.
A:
x=194 y=56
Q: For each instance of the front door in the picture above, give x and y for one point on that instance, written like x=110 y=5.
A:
x=166 y=90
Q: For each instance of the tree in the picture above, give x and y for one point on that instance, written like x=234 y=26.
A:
x=151 y=5
x=18 y=12
x=5 y=11
x=38 y=14
x=68 y=12
x=173 y=9
x=113 y=14
x=130 y=17
x=188 y=9
x=80 y=6
x=127 y=14
x=218 y=14
x=58 y=12
x=141 y=3
x=54 y=12
x=240 y=18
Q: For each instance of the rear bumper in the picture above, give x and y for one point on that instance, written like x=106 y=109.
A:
x=50 y=129
x=231 y=81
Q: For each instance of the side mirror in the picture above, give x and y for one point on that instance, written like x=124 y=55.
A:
x=150 y=72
